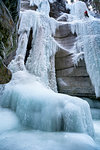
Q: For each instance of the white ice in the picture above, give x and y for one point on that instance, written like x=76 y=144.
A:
x=42 y=109
x=8 y=120
x=97 y=132
x=43 y=6
x=88 y=41
x=14 y=136
x=29 y=140
x=29 y=93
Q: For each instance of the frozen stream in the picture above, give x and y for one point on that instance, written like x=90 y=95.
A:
x=15 y=137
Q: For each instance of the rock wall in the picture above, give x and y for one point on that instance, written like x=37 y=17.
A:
x=71 y=79
x=14 y=8
x=9 y=14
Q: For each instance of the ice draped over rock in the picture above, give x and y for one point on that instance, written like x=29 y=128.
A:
x=88 y=32
x=41 y=58
x=29 y=93
x=42 y=109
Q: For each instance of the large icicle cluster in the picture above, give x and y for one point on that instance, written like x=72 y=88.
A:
x=88 y=42
x=41 y=58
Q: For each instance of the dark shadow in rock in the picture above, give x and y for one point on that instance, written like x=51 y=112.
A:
x=29 y=45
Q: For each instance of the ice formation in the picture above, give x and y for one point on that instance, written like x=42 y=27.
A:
x=29 y=93
x=29 y=140
x=88 y=32
x=78 y=9
x=9 y=120
x=41 y=58
x=43 y=6
x=43 y=109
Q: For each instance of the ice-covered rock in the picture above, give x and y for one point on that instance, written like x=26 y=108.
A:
x=86 y=43
x=30 y=139
x=88 y=32
x=78 y=8
x=42 y=109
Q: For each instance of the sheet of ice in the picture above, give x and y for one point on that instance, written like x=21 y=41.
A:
x=29 y=140
x=41 y=60
x=88 y=42
x=42 y=109
x=97 y=132
x=43 y=6
x=78 y=8
x=27 y=94
x=37 y=2
x=52 y=1
x=8 y=120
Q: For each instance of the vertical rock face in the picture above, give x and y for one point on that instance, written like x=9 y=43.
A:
x=6 y=30
x=9 y=14
x=71 y=79
x=14 y=7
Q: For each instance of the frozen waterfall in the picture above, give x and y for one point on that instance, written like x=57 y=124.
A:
x=29 y=93
x=88 y=41
x=37 y=110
